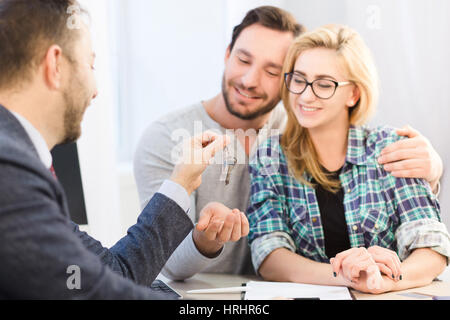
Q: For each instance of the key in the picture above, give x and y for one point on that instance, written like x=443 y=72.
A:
x=228 y=166
x=230 y=163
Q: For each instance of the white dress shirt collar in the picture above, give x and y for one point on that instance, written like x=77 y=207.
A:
x=38 y=141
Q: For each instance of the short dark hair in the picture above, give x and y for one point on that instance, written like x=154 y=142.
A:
x=27 y=29
x=270 y=17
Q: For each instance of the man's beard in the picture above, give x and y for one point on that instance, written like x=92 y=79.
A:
x=75 y=106
x=263 y=110
x=72 y=121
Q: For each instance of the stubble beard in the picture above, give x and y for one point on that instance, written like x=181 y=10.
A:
x=263 y=110
x=75 y=107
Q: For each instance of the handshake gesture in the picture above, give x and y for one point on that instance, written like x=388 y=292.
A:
x=373 y=270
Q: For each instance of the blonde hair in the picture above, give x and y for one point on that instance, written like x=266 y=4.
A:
x=356 y=60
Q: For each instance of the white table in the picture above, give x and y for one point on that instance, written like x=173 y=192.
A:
x=210 y=281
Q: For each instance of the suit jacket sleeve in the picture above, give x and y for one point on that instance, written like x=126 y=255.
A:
x=142 y=253
x=152 y=165
x=38 y=245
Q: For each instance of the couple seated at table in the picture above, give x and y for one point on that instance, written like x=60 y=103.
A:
x=322 y=210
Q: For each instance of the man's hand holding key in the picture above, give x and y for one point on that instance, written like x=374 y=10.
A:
x=197 y=153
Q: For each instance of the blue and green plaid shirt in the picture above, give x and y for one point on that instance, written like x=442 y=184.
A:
x=395 y=213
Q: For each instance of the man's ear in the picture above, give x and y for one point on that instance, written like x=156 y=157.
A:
x=52 y=64
x=354 y=98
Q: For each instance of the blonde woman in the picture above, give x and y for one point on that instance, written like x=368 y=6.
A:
x=318 y=192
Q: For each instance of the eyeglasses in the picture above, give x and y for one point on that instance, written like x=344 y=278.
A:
x=322 y=88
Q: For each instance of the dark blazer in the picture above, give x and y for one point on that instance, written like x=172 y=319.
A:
x=39 y=242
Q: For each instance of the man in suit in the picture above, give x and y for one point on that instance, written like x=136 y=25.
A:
x=46 y=84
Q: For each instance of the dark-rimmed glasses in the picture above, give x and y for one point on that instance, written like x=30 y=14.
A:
x=322 y=88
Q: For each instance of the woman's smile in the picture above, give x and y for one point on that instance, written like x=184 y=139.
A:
x=309 y=110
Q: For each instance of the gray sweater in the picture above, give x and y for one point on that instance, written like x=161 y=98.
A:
x=39 y=244
x=154 y=162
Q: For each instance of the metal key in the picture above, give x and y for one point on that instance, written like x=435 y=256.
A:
x=228 y=166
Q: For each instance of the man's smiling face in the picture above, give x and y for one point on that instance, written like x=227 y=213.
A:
x=251 y=82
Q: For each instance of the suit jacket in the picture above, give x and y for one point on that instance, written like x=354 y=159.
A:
x=39 y=243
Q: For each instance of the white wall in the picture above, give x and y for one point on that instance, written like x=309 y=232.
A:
x=171 y=54
x=97 y=146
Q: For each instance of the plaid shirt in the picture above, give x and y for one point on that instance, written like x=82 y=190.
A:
x=284 y=213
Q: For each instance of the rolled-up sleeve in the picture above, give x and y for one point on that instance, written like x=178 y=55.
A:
x=420 y=221
x=423 y=233
x=265 y=245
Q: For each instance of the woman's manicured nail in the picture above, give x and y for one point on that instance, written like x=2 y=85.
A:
x=401 y=277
